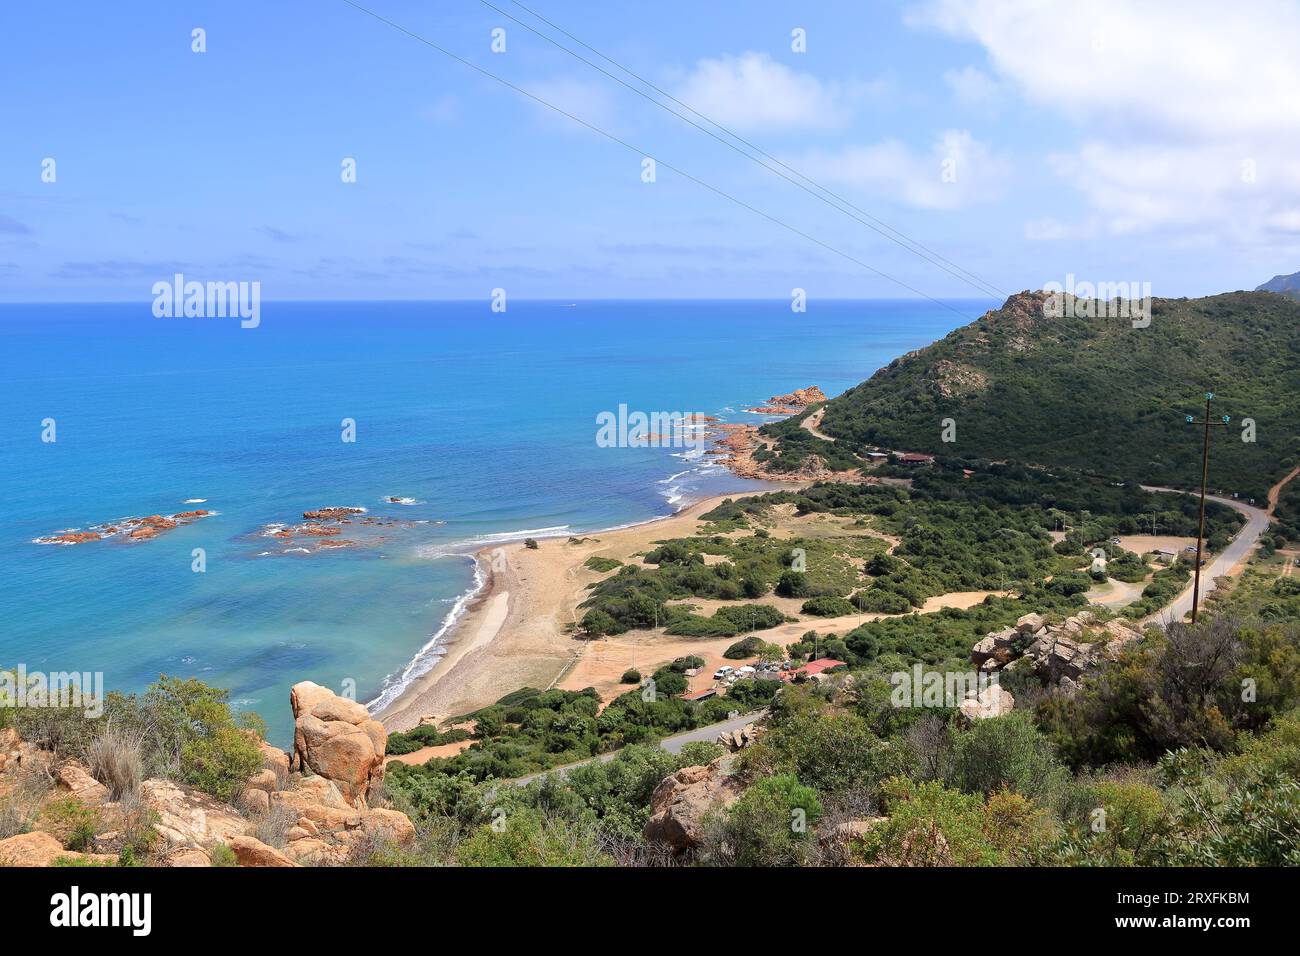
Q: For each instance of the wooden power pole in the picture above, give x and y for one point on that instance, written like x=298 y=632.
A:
x=1205 y=473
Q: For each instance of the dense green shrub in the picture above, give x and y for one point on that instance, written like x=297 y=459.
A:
x=828 y=607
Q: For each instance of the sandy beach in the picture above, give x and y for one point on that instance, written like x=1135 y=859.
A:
x=518 y=634
x=519 y=631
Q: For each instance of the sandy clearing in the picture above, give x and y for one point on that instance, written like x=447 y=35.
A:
x=1117 y=594
x=1146 y=543
x=417 y=758
x=962 y=600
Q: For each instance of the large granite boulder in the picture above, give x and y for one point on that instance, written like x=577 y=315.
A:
x=681 y=801
x=336 y=738
x=997 y=647
x=39 y=848
x=250 y=851
x=992 y=701
x=1030 y=623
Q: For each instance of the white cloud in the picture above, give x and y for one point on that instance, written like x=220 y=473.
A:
x=1190 y=65
x=1171 y=98
x=957 y=170
x=752 y=91
x=972 y=87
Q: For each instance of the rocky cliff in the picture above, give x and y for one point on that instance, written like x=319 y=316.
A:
x=318 y=806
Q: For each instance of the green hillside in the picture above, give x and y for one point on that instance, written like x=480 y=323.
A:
x=1095 y=394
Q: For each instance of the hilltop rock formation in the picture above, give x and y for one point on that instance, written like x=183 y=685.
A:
x=1059 y=654
x=738 y=739
x=315 y=803
x=336 y=739
x=791 y=402
x=681 y=801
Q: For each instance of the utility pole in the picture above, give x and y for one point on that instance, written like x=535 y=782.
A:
x=1205 y=471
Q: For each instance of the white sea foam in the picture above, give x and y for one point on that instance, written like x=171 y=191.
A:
x=434 y=649
x=555 y=531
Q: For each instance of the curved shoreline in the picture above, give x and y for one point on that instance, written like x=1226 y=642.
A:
x=515 y=634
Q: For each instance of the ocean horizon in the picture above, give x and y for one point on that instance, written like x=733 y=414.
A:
x=469 y=426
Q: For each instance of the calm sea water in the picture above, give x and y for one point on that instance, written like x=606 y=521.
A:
x=486 y=420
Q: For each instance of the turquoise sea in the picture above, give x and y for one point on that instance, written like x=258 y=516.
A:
x=485 y=421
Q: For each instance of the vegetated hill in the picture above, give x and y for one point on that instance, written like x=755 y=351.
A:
x=1283 y=285
x=1091 y=393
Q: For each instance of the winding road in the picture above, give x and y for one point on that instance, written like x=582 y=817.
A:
x=1257 y=521
x=673 y=745
x=812 y=423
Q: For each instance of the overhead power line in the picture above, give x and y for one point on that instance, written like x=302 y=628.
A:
x=659 y=162
x=835 y=201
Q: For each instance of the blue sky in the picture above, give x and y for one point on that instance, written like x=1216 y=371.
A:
x=1080 y=144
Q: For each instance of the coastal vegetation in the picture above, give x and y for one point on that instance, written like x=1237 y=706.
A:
x=530 y=730
x=1185 y=772
x=960 y=526
x=1094 y=394
x=425 y=735
x=177 y=729
x=1188 y=770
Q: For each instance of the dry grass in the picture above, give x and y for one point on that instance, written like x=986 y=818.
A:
x=273 y=827
x=117 y=761
x=20 y=807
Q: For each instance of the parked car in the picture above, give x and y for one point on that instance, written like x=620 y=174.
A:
x=722 y=672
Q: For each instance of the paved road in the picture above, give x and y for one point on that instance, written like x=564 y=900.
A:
x=1257 y=521
x=672 y=744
